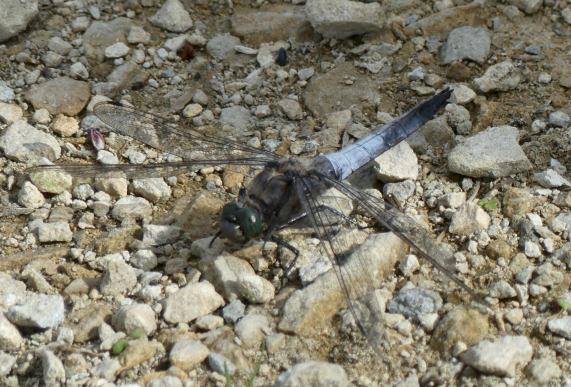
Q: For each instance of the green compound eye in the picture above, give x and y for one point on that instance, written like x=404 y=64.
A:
x=249 y=221
x=238 y=220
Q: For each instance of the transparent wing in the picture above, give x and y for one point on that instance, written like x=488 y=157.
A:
x=164 y=135
x=140 y=171
x=358 y=272
x=198 y=149
x=408 y=230
x=361 y=260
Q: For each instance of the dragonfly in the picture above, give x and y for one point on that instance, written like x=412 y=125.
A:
x=287 y=190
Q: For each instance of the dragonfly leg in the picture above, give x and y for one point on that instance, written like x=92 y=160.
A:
x=213 y=239
x=321 y=207
x=281 y=242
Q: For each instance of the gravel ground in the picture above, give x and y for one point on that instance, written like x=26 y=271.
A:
x=112 y=281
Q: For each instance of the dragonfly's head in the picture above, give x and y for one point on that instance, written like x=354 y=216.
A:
x=239 y=222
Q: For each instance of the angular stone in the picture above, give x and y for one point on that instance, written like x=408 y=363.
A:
x=308 y=309
x=499 y=356
x=341 y=19
x=494 y=152
x=459 y=325
x=172 y=16
x=467 y=42
x=204 y=298
x=313 y=373
x=60 y=96
x=502 y=76
x=41 y=311
x=397 y=164
x=23 y=142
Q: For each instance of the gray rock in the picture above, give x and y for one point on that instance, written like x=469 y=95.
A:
x=291 y=108
x=54 y=232
x=7 y=362
x=135 y=316
x=502 y=76
x=235 y=277
x=313 y=373
x=234 y=311
x=323 y=92
x=51 y=181
x=177 y=307
x=65 y=126
x=252 y=329
x=119 y=277
x=399 y=191
x=471 y=43
x=414 y=302
x=270 y=23
x=468 y=219
x=222 y=46
x=461 y=324
x=58 y=45
x=494 y=152
x=30 y=197
x=159 y=234
x=462 y=94
x=60 y=96
x=561 y=326
x=6 y=92
x=531 y=249
x=341 y=19
x=209 y=322
x=100 y=35
x=15 y=16
x=78 y=70
x=10 y=337
x=543 y=370
x=397 y=164
x=172 y=16
x=308 y=309
x=125 y=76
x=144 y=260
x=435 y=133
x=132 y=207
x=116 y=50
x=187 y=354
x=551 y=179
x=53 y=370
x=236 y=116
x=560 y=119
x=23 y=142
x=163 y=381
x=527 y=6
x=459 y=118
x=10 y=113
x=409 y=264
x=12 y=291
x=221 y=364
x=502 y=290
x=500 y=356
x=548 y=275
x=43 y=311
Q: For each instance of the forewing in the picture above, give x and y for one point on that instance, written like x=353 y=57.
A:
x=167 y=136
x=140 y=171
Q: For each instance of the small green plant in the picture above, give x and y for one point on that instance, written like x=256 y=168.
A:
x=255 y=372
x=137 y=333
x=119 y=346
x=564 y=304
x=228 y=376
x=489 y=204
